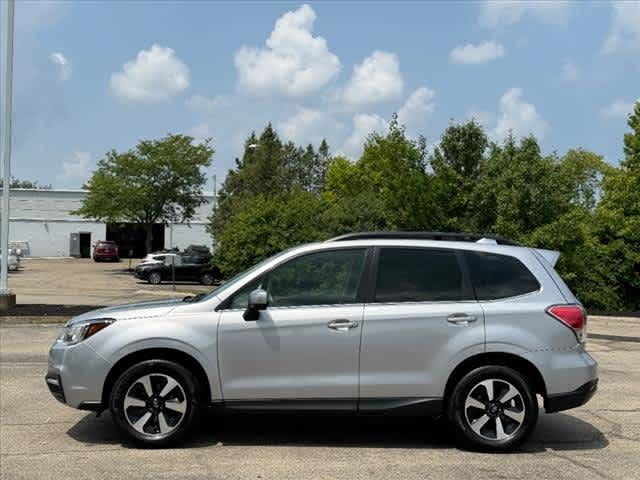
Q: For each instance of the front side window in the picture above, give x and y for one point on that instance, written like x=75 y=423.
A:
x=497 y=276
x=322 y=278
x=419 y=275
x=241 y=298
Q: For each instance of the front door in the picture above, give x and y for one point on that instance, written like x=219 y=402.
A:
x=302 y=352
x=423 y=320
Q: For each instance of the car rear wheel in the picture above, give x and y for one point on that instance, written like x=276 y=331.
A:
x=493 y=408
x=155 y=402
x=207 y=279
x=155 y=278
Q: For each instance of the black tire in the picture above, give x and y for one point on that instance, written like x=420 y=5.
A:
x=155 y=278
x=524 y=406
x=189 y=392
x=207 y=279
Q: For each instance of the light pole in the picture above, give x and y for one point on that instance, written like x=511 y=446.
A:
x=7 y=299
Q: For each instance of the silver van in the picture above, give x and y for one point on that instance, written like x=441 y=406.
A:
x=474 y=328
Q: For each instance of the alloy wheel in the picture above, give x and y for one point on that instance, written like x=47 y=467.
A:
x=155 y=404
x=494 y=409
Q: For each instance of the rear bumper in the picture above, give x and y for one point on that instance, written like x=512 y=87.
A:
x=565 y=401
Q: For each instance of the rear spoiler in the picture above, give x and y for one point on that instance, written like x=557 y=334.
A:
x=551 y=256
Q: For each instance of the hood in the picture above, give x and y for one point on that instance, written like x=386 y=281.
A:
x=156 y=308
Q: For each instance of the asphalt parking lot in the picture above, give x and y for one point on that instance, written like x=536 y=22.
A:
x=81 y=281
x=41 y=438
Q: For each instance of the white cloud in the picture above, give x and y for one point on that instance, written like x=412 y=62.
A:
x=376 y=79
x=518 y=117
x=475 y=54
x=482 y=117
x=618 y=109
x=310 y=126
x=363 y=125
x=418 y=106
x=570 y=71
x=502 y=13
x=155 y=75
x=204 y=104
x=200 y=132
x=77 y=170
x=293 y=63
x=624 y=35
x=62 y=64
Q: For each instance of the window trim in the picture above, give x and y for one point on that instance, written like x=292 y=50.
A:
x=360 y=299
x=468 y=293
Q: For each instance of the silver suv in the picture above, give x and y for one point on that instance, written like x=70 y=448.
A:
x=472 y=328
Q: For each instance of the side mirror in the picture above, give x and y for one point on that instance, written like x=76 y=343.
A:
x=258 y=300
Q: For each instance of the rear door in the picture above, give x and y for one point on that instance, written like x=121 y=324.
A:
x=421 y=320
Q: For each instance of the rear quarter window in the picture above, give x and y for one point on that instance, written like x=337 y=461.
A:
x=496 y=276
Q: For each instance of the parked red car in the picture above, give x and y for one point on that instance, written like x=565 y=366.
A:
x=106 y=250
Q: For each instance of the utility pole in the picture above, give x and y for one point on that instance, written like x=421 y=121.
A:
x=7 y=299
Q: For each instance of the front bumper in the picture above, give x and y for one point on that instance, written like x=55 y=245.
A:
x=75 y=374
x=141 y=274
x=55 y=385
x=565 y=401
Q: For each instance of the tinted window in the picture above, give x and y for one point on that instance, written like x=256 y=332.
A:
x=418 y=275
x=322 y=278
x=499 y=276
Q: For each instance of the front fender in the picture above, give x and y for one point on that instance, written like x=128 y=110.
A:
x=192 y=334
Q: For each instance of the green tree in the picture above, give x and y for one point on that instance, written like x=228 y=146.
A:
x=268 y=224
x=519 y=189
x=619 y=215
x=457 y=163
x=392 y=169
x=573 y=231
x=157 y=181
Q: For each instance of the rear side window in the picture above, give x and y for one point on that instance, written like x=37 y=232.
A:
x=419 y=275
x=499 y=276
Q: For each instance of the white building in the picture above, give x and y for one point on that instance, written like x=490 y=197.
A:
x=44 y=219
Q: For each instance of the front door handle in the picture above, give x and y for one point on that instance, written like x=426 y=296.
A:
x=342 y=324
x=461 y=318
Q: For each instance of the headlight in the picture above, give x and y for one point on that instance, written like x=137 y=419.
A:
x=78 y=332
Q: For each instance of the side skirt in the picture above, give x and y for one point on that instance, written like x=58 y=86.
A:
x=365 y=406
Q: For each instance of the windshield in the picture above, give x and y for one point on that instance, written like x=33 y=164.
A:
x=234 y=280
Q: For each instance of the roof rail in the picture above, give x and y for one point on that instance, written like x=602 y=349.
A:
x=446 y=236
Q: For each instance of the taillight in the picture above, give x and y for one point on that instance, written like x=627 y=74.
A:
x=573 y=316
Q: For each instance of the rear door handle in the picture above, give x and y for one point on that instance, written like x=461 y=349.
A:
x=461 y=318
x=342 y=324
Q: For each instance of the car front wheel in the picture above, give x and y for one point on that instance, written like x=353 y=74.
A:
x=155 y=278
x=493 y=408
x=155 y=402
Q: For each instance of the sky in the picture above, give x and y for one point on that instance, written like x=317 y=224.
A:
x=95 y=76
